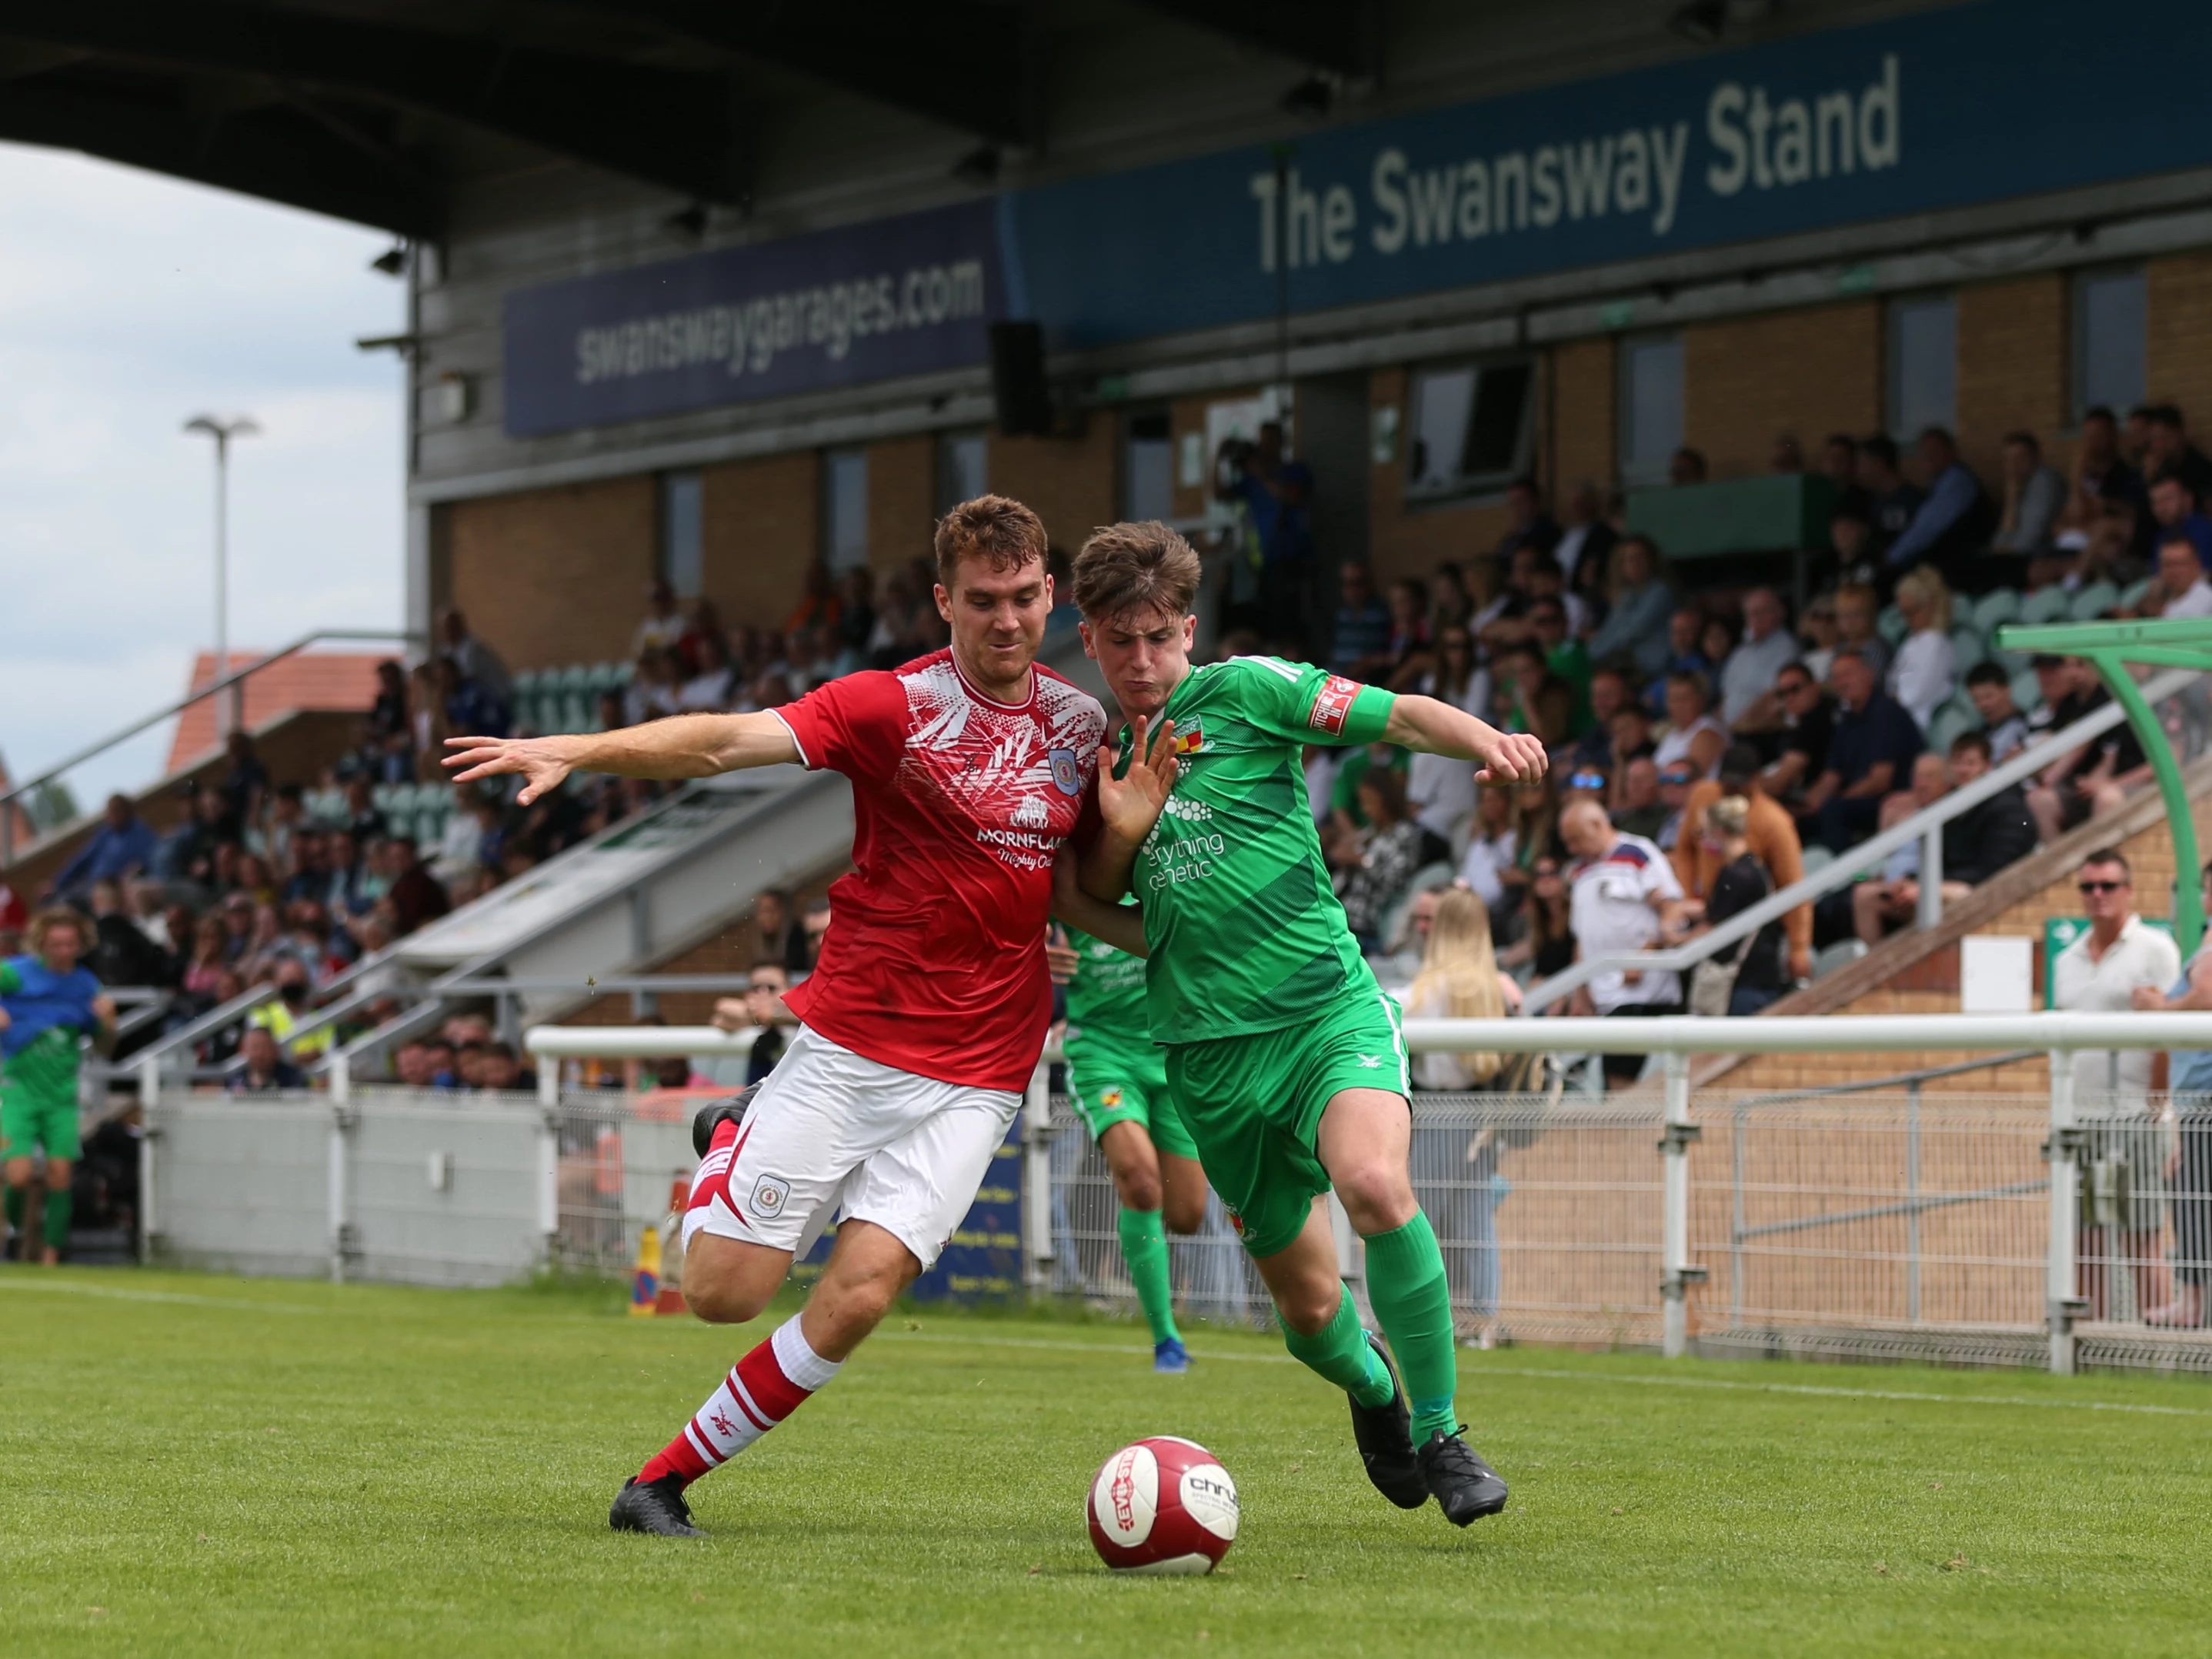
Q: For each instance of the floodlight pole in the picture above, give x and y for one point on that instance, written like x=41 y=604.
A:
x=242 y=426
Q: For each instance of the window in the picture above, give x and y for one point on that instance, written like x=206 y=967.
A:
x=1471 y=428
x=1924 y=365
x=960 y=469
x=1147 y=469
x=1650 y=408
x=680 y=562
x=845 y=509
x=2108 y=341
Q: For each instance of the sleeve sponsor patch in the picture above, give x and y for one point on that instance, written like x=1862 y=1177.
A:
x=1332 y=705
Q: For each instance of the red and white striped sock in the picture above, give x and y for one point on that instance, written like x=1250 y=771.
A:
x=767 y=1386
x=712 y=1179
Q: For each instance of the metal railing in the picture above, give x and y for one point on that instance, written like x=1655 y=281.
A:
x=233 y=682
x=1925 y=827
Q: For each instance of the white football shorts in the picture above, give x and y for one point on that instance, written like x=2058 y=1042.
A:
x=833 y=1131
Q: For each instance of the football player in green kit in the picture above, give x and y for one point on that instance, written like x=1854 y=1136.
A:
x=1117 y=1076
x=1284 y=1059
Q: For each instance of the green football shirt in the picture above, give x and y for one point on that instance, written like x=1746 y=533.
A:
x=1106 y=994
x=1245 y=933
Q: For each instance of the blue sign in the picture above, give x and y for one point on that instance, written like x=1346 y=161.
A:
x=1970 y=104
x=868 y=302
x=982 y=1261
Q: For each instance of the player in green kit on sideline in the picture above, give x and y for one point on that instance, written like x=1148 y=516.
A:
x=48 y=1000
x=1117 y=1076
x=1285 y=1058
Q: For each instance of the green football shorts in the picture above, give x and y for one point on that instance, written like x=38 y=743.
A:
x=30 y=1117
x=1254 y=1105
x=1117 y=1078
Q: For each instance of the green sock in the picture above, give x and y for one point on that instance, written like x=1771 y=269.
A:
x=1145 y=1247
x=1405 y=1284
x=1340 y=1350
x=58 y=1206
x=17 y=1197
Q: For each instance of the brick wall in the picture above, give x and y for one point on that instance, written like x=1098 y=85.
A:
x=2014 y=351
x=1073 y=483
x=760 y=526
x=2178 y=358
x=1810 y=372
x=1582 y=427
x=902 y=498
x=555 y=577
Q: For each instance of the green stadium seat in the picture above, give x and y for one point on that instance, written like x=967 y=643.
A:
x=575 y=714
x=1818 y=858
x=1967 y=648
x=526 y=698
x=2001 y=605
x=1892 y=625
x=2132 y=594
x=2093 y=600
x=1947 y=723
x=1841 y=954
x=2027 y=690
x=2045 y=605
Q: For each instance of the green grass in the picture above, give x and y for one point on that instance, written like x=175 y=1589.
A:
x=197 y=1465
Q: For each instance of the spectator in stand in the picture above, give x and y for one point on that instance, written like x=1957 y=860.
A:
x=1869 y=754
x=1717 y=643
x=2189 y=1080
x=1625 y=899
x=1852 y=545
x=118 y=953
x=701 y=623
x=415 y=896
x=1528 y=524
x=1771 y=835
x=663 y=623
x=1065 y=613
x=1693 y=736
x=1441 y=789
x=1388 y=859
x=500 y=1070
x=1858 y=627
x=1450 y=603
x=2099 y=470
x=1489 y=860
x=1748 y=700
x=1635 y=628
x=478 y=661
x=123 y=846
x=1926 y=672
x=1687 y=467
x=1642 y=810
x=426 y=721
x=1788 y=455
x=266 y=1072
x=1545 y=926
x=2179 y=590
x=193 y=850
x=469 y=705
x=760 y=1008
x=1818 y=636
x=391 y=746
x=1587 y=540
x=1363 y=626
x=1632 y=739
x=1976 y=844
x=2094 y=779
x=2102 y=972
x=411 y=1065
x=1685 y=655
x=345 y=892
x=2033 y=494
x=245 y=780
x=2003 y=725
x=712 y=689
x=1739 y=979
x=2170 y=451
x=777 y=935
x=1409 y=623
x=654 y=689
x=210 y=955
x=1956 y=520
x=814 y=929
x=1277 y=495
x=1537 y=701
x=1675 y=781
x=1839 y=460
x=1609 y=693
x=2174 y=505
x=2054 y=687
x=1565 y=658
x=1894 y=499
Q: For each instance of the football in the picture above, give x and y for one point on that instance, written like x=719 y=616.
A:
x=1163 y=1505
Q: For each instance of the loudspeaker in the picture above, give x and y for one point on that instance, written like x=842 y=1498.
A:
x=1017 y=382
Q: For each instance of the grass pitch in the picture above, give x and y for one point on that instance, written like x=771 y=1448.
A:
x=199 y=1465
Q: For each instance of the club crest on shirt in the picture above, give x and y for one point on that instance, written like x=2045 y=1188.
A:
x=1332 y=705
x=1066 y=776
x=1111 y=1098
x=1191 y=742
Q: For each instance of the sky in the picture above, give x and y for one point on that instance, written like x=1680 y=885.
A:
x=129 y=302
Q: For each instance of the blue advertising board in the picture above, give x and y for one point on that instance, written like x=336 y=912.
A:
x=1940 y=109
x=982 y=1263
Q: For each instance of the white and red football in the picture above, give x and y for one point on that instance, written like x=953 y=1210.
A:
x=1163 y=1505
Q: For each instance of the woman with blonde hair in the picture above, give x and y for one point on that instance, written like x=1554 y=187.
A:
x=1926 y=672
x=1455 y=1160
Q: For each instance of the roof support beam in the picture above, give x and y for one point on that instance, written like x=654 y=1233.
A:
x=677 y=130
x=1343 y=36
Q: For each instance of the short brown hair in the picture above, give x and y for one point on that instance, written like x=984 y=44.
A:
x=997 y=530
x=58 y=915
x=1124 y=569
x=2111 y=855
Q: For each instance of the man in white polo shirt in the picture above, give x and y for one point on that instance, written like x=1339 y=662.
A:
x=2124 y=1165
x=1625 y=898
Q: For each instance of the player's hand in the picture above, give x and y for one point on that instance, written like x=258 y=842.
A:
x=2147 y=1000
x=103 y=1009
x=1132 y=804
x=1059 y=957
x=6 y=1020
x=1512 y=757
x=536 y=761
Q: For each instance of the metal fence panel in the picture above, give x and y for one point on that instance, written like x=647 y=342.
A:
x=241 y=1186
x=440 y=1191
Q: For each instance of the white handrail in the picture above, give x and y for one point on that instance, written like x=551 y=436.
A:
x=1845 y=869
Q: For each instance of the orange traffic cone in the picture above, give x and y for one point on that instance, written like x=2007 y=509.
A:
x=644 y=1283
x=670 y=1300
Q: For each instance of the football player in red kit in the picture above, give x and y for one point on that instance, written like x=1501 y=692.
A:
x=971 y=768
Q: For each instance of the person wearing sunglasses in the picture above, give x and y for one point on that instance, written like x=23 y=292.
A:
x=2100 y=972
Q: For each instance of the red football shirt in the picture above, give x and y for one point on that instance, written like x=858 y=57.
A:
x=934 y=961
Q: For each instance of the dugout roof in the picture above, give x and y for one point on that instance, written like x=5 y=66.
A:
x=374 y=110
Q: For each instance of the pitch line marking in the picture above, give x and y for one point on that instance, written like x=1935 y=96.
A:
x=1542 y=1374
x=10 y=1282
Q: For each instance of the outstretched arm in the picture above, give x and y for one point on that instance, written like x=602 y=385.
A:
x=1121 y=925
x=681 y=746
x=1128 y=807
x=1438 y=729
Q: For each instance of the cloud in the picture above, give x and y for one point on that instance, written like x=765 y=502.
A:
x=128 y=303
